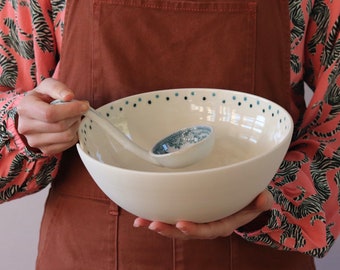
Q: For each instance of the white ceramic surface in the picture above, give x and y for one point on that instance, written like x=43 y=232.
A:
x=252 y=136
x=182 y=148
x=179 y=149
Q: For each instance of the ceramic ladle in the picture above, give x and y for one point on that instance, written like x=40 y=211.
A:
x=180 y=149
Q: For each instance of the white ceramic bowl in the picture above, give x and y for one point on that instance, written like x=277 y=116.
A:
x=252 y=136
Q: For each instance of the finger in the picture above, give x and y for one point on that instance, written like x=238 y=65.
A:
x=168 y=230
x=163 y=229
x=264 y=201
x=54 y=149
x=45 y=141
x=75 y=108
x=32 y=126
x=45 y=112
x=140 y=222
x=41 y=141
x=209 y=230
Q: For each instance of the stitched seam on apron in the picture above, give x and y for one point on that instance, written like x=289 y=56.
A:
x=249 y=7
x=116 y=242
x=82 y=196
x=173 y=254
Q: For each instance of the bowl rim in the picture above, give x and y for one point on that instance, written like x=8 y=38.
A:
x=174 y=172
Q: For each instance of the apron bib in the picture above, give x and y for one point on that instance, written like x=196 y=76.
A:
x=115 y=48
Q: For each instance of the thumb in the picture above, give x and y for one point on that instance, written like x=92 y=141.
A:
x=54 y=89
x=264 y=201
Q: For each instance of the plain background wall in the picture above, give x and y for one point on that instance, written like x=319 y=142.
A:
x=19 y=231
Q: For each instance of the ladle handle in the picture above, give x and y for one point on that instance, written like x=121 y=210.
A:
x=116 y=134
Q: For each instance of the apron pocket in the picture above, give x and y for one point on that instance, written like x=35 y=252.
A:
x=155 y=45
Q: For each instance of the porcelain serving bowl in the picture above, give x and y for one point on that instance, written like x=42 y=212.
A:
x=252 y=135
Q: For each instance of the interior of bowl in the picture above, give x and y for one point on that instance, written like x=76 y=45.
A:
x=245 y=126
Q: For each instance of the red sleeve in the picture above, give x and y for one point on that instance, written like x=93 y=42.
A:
x=29 y=40
x=306 y=213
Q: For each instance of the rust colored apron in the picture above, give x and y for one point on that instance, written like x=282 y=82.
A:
x=115 y=48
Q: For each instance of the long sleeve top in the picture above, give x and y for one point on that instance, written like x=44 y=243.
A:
x=306 y=214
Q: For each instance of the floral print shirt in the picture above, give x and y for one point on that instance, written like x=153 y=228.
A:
x=306 y=188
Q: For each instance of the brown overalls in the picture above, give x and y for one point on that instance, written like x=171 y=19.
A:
x=115 y=48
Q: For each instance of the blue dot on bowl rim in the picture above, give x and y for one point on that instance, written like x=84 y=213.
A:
x=204 y=98
x=192 y=93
